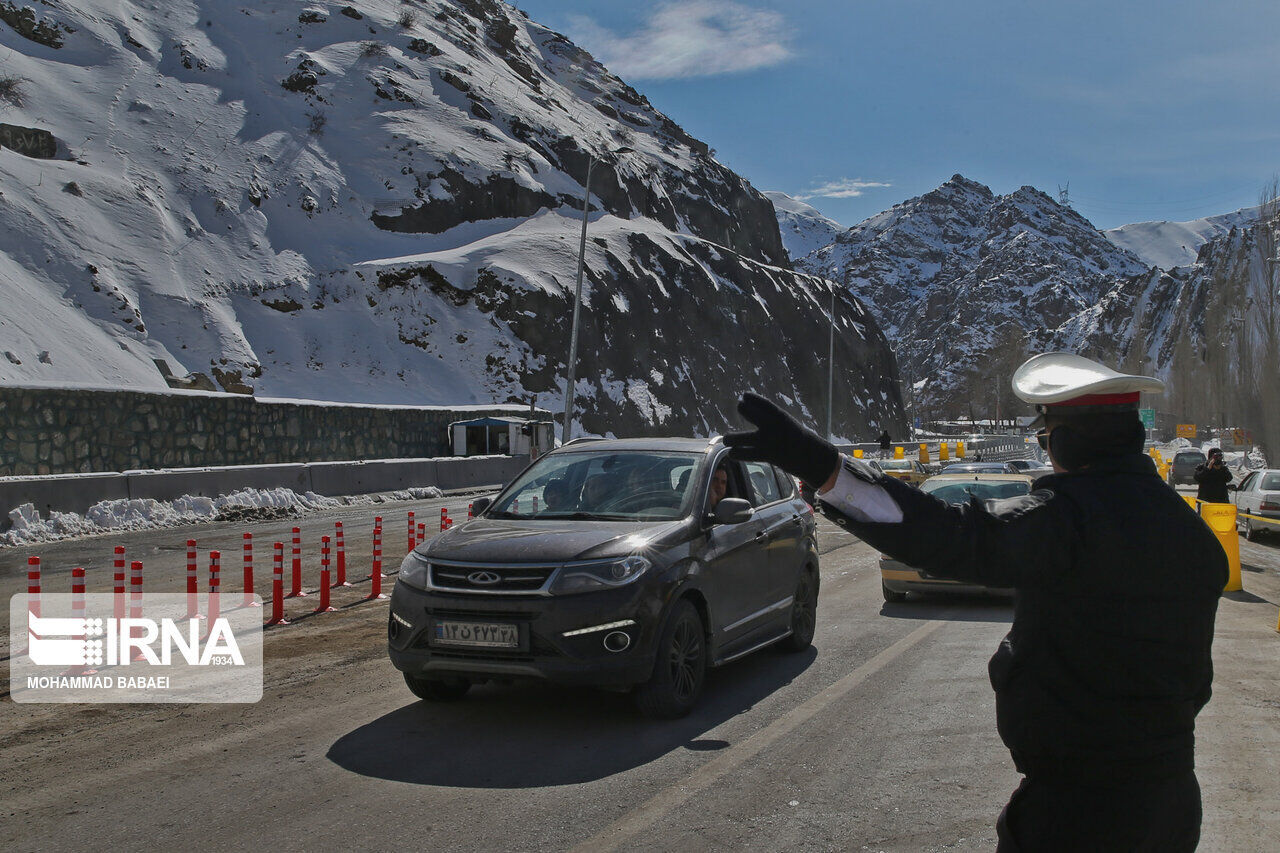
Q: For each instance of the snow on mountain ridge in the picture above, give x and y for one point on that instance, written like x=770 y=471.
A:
x=955 y=274
x=382 y=205
x=1175 y=244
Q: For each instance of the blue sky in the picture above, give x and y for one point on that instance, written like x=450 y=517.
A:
x=1149 y=110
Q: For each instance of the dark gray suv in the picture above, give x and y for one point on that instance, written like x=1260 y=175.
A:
x=603 y=563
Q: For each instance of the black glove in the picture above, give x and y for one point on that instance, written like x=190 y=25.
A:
x=781 y=439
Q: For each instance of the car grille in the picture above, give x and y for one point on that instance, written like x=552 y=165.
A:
x=490 y=579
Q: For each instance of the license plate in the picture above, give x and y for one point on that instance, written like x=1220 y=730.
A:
x=489 y=635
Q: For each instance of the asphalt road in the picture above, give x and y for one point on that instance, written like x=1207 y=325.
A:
x=882 y=737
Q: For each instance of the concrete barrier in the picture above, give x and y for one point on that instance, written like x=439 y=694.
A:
x=211 y=482
x=78 y=492
x=64 y=492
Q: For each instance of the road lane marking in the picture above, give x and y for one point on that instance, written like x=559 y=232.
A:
x=658 y=806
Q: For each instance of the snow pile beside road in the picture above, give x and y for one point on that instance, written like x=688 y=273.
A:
x=147 y=513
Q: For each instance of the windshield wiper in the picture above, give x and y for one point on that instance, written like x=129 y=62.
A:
x=588 y=516
x=505 y=514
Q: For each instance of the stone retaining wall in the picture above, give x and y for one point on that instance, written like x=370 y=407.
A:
x=57 y=431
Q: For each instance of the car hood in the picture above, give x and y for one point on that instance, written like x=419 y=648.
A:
x=483 y=540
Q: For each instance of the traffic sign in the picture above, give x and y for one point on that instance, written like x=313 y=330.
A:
x=1186 y=430
x=1148 y=418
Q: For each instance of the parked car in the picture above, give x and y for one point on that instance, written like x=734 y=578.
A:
x=907 y=470
x=897 y=578
x=601 y=564
x=980 y=468
x=1258 y=494
x=1033 y=468
x=1182 y=470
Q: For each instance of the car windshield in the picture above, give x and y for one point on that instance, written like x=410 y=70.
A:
x=975 y=467
x=612 y=485
x=1189 y=457
x=896 y=465
x=958 y=493
x=1271 y=482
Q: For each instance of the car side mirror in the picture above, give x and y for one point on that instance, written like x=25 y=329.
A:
x=480 y=505
x=1232 y=487
x=732 y=511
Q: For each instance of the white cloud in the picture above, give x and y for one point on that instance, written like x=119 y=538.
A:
x=699 y=38
x=842 y=188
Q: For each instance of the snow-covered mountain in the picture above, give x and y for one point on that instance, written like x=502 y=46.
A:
x=963 y=280
x=804 y=228
x=1175 y=244
x=381 y=202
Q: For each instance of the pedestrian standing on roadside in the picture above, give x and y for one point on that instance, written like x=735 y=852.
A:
x=886 y=444
x=1116 y=584
x=1212 y=477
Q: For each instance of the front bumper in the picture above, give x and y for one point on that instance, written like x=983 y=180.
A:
x=899 y=577
x=544 y=653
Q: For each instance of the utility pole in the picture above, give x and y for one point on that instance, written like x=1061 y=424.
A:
x=577 y=298
x=831 y=365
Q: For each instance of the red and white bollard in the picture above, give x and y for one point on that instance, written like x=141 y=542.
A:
x=193 y=582
x=135 y=600
x=341 y=544
x=33 y=585
x=117 y=609
x=277 y=587
x=375 y=590
x=323 y=606
x=470 y=514
x=248 y=573
x=77 y=612
x=118 y=565
x=535 y=504
x=413 y=530
x=515 y=505
x=215 y=570
x=444 y=518
x=295 y=590
x=422 y=531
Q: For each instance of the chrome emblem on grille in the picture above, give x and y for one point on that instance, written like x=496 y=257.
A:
x=483 y=578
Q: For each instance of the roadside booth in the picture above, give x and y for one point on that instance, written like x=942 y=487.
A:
x=499 y=436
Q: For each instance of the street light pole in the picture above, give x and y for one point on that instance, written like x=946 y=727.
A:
x=577 y=308
x=831 y=365
x=577 y=297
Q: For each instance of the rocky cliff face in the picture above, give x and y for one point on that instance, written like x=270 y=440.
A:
x=965 y=281
x=381 y=202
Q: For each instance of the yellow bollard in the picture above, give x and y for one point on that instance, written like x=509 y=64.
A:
x=943 y=455
x=960 y=454
x=924 y=453
x=898 y=453
x=857 y=453
x=1221 y=519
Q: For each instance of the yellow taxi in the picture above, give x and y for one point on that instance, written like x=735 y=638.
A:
x=897 y=578
x=907 y=470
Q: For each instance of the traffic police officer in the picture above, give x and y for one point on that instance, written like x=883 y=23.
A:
x=1116 y=584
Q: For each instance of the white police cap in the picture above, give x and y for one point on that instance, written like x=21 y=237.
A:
x=1077 y=385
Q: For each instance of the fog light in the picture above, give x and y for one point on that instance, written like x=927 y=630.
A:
x=617 y=641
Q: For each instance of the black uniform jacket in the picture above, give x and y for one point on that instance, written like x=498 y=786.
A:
x=1116 y=584
x=1213 y=483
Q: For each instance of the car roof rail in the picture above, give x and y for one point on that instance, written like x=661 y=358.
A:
x=582 y=438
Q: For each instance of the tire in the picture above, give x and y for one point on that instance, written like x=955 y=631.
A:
x=680 y=669
x=804 y=614
x=437 y=689
x=1250 y=533
x=891 y=596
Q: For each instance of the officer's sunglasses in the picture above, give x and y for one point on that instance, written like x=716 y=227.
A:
x=1042 y=438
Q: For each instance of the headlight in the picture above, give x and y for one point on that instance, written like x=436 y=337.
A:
x=413 y=571
x=605 y=574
